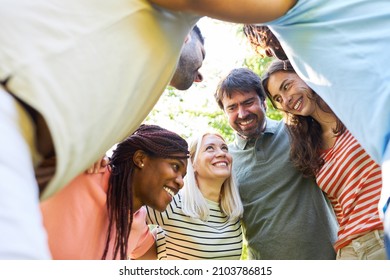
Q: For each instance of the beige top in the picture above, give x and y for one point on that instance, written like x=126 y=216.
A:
x=93 y=68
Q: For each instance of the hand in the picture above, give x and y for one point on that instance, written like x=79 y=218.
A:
x=103 y=162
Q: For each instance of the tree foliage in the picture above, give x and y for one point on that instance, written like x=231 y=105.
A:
x=188 y=112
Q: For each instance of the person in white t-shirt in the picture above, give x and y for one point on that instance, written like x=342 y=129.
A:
x=76 y=77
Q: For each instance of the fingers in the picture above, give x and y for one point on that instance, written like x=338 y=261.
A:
x=95 y=168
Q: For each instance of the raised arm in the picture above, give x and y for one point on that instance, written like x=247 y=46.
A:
x=242 y=11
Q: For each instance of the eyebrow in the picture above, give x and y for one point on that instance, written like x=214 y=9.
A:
x=207 y=144
x=282 y=85
x=231 y=105
x=248 y=100
x=182 y=162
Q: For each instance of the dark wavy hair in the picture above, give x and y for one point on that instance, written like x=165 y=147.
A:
x=155 y=142
x=261 y=38
x=305 y=132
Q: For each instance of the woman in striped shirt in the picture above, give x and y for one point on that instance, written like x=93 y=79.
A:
x=203 y=219
x=323 y=147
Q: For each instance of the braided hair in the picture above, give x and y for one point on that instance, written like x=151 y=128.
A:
x=155 y=142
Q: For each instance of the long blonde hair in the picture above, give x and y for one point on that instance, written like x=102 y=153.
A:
x=193 y=202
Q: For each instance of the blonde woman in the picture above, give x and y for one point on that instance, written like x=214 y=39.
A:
x=203 y=219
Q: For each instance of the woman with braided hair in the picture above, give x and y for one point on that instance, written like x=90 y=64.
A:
x=105 y=217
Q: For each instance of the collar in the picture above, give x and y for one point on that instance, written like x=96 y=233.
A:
x=270 y=128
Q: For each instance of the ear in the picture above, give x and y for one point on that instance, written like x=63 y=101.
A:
x=187 y=39
x=139 y=158
x=192 y=164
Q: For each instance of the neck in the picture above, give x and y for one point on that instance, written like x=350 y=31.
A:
x=328 y=121
x=211 y=188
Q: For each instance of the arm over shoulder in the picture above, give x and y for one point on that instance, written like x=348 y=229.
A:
x=244 y=11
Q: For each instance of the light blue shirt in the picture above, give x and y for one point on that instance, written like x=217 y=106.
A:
x=340 y=49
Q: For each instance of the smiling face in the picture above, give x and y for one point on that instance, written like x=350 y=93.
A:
x=157 y=180
x=213 y=161
x=291 y=94
x=245 y=112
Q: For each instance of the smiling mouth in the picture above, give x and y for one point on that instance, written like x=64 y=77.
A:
x=298 y=104
x=220 y=164
x=169 y=191
x=246 y=123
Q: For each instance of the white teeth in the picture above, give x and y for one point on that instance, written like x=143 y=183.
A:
x=221 y=164
x=169 y=191
x=298 y=104
x=246 y=122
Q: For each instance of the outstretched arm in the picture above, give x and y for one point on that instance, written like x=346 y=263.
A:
x=243 y=11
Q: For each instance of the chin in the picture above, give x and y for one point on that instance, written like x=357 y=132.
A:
x=250 y=133
x=161 y=208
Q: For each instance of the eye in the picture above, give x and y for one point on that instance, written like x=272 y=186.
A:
x=248 y=102
x=277 y=99
x=230 y=108
x=209 y=148
x=285 y=87
x=175 y=167
x=225 y=148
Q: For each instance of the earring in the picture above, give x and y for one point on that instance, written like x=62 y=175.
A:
x=142 y=165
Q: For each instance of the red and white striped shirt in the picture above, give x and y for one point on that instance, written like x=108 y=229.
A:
x=353 y=183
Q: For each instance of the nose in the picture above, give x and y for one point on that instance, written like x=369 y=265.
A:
x=179 y=181
x=287 y=100
x=198 y=77
x=221 y=153
x=242 y=113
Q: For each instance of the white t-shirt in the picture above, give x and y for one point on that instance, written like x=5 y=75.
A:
x=93 y=68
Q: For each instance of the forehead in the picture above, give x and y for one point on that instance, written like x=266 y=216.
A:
x=193 y=51
x=212 y=139
x=183 y=161
x=180 y=157
x=277 y=78
x=199 y=45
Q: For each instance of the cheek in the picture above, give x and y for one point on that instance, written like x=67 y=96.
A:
x=231 y=118
x=150 y=179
